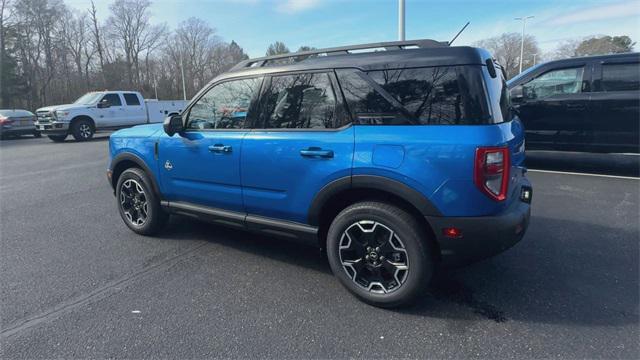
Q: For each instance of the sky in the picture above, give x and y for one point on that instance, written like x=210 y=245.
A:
x=254 y=24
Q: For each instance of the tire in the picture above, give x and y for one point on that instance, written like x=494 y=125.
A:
x=372 y=277
x=82 y=130
x=57 y=138
x=37 y=134
x=144 y=220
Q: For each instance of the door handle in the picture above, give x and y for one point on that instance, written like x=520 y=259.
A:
x=219 y=148
x=316 y=152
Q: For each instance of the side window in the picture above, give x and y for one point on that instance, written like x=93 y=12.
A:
x=442 y=95
x=224 y=106
x=113 y=99
x=367 y=106
x=555 y=82
x=621 y=77
x=301 y=101
x=131 y=99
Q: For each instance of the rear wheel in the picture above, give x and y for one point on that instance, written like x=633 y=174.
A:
x=82 y=130
x=138 y=205
x=379 y=252
x=57 y=138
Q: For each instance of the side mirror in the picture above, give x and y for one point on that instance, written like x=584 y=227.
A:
x=173 y=125
x=517 y=93
x=103 y=104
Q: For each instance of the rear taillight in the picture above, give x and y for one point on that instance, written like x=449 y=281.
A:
x=491 y=171
x=5 y=120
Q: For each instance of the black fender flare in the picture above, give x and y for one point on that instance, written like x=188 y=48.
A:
x=401 y=190
x=127 y=156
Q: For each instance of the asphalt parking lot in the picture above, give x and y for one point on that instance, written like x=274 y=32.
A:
x=76 y=283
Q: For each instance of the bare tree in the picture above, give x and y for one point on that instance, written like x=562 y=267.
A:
x=132 y=30
x=97 y=41
x=506 y=49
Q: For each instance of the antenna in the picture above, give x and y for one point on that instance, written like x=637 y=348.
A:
x=459 y=32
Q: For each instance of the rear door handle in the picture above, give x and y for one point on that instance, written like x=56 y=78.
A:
x=316 y=152
x=219 y=148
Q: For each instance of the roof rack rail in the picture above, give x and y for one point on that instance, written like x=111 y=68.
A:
x=299 y=56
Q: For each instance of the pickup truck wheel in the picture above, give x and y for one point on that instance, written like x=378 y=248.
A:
x=138 y=205
x=82 y=130
x=379 y=252
x=57 y=138
x=37 y=134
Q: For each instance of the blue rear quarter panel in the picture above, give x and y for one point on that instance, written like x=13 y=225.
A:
x=437 y=160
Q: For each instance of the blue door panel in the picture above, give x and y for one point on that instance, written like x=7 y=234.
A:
x=199 y=175
x=281 y=175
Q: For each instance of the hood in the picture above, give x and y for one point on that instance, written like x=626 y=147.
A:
x=63 y=107
x=139 y=131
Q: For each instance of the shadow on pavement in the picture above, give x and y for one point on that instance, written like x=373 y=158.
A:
x=608 y=164
x=550 y=277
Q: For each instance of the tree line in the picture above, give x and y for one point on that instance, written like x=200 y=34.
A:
x=506 y=49
x=52 y=54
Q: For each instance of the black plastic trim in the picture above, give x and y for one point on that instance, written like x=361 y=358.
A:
x=136 y=159
x=394 y=187
x=414 y=197
x=245 y=221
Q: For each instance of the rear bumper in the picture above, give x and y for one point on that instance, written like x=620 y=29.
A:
x=18 y=131
x=484 y=236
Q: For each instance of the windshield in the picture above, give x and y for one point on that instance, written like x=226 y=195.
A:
x=524 y=73
x=88 y=98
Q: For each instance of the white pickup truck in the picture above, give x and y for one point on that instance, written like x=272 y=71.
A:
x=102 y=110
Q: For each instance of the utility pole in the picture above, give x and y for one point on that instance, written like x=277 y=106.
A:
x=524 y=22
x=401 y=20
x=184 y=87
x=534 y=59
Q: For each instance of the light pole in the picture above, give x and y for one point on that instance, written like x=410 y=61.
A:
x=184 y=87
x=401 y=20
x=524 y=22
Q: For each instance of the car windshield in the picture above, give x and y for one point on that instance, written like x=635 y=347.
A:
x=88 y=99
x=524 y=73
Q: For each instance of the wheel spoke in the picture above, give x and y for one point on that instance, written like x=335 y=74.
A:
x=134 y=203
x=373 y=256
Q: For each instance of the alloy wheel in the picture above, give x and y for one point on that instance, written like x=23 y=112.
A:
x=374 y=257
x=133 y=201
x=85 y=131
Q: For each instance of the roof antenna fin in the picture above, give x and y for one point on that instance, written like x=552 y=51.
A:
x=459 y=32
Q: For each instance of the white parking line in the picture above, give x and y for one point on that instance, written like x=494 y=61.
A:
x=584 y=174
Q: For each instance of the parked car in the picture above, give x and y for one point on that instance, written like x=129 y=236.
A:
x=17 y=122
x=392 y=161
x=581 y=104
x=103 y=110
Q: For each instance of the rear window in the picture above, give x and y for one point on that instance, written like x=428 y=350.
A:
x=448 y=95
x=621 y=77
x=131 y=99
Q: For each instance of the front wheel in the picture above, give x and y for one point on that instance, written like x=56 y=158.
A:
x=380 y=253
x=82 y=130
x=138 y=204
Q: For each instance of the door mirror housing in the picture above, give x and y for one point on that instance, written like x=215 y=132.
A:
x=173 y=125
x=517 y=93
x=103 y=104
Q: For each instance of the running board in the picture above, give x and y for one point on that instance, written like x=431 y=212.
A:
x=244 y=221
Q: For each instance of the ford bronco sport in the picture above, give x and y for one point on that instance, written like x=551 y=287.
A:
x=394 y=161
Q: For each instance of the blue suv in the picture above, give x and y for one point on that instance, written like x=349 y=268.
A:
x=394 y=161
